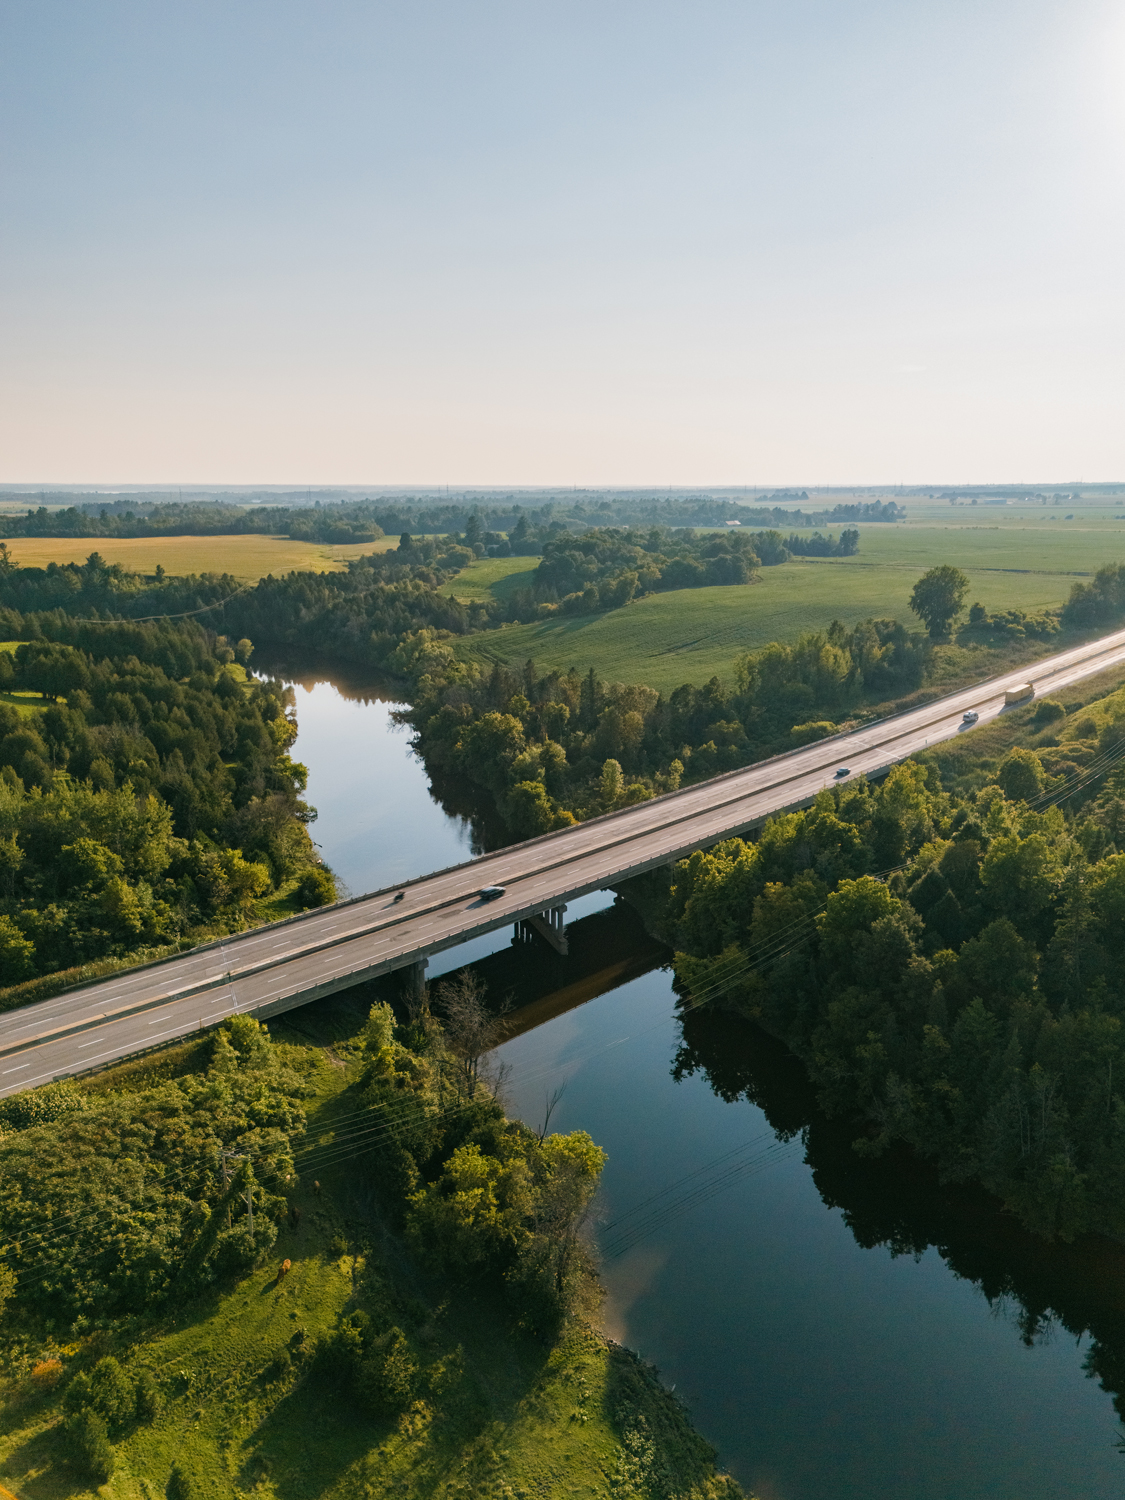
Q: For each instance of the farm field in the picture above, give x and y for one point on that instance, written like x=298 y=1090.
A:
x=245 y=557
x=694 y=634
x=1055 y=547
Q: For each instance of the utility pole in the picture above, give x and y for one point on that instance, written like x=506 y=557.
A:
x=224 y=1157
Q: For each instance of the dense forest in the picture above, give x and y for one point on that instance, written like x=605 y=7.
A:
x=946 y=966
x=151 y=799
x=137 y=1178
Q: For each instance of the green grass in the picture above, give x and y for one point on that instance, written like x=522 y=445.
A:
x=694 y=634
x=1050 y=547
x=27 y=704
x=494 y=578
x=514 y=1418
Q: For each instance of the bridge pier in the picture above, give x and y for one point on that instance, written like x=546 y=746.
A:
x=549 y=925
x=416 y=977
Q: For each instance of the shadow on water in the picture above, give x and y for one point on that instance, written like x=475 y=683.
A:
x=899 y=1203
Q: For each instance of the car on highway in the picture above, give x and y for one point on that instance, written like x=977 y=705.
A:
x=843 y=771
x=970 y=718
x=490 y=892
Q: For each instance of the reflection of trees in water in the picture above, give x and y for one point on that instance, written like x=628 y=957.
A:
x=308 y=670
x=457 y=797
x=897 y=1201
x=460 y=798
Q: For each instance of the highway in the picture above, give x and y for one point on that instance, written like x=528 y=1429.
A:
x=273 y=969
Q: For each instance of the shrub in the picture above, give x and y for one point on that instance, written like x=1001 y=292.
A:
x=807 y=734
x=316 y=887
x=1047 y=711
x=42 y=1106
x=47 y=1374
x=89 y=1446
x=113 y=1394
x=76 y=1397
x=148 y=1400
x=388 y=1377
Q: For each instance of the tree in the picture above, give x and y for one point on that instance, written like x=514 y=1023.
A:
x=1020 y=775
x=938 y=597
x=17 y=953
x=611 y=786
x=469 y=1028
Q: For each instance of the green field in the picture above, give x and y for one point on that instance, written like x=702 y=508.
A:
x=248 y=1409
x=494 y=578
x=694 y=634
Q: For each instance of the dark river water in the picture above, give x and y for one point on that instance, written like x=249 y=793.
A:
x=838 y=1329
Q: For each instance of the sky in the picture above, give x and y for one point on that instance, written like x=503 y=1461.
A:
x=599 y=242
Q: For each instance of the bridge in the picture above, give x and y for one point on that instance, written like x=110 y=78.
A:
x=276 y=968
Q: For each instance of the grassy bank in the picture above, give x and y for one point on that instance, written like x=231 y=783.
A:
x=971 y=759
x=250 y=1403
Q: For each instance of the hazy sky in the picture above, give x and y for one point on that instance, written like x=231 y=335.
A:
x=599 y=241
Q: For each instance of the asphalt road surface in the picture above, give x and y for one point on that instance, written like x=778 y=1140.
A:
x=276 y=968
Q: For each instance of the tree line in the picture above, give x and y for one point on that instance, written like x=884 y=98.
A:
x=478 y=1198
x=366 y=519
x=329 y=524
x=554 y=747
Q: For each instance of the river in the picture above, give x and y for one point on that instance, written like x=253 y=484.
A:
x=825 y=1319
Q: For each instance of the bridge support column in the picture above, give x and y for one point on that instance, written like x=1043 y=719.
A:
x=416 y=978
x=549 y=925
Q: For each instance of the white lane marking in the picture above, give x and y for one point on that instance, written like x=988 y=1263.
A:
x=16 y=1070
x=94 y=1043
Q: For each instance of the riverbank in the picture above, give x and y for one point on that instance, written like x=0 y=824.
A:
x=248 y=1399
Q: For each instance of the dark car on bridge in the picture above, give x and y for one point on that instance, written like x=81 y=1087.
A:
x=490 y=892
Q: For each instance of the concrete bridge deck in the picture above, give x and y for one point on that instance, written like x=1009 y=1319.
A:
x=273 y=969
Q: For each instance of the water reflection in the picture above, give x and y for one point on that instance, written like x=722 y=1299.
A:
x=838 y=1326
x=377 y=822
x=897 y=1202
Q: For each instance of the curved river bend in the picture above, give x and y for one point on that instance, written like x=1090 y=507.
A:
x=734 y=1220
